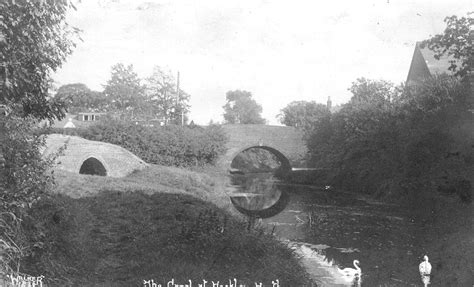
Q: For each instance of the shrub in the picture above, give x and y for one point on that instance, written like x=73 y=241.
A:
x=167 y=145
x=24 y=178
x=396 y=137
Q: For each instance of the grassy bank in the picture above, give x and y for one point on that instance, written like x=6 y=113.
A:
x=160 y=223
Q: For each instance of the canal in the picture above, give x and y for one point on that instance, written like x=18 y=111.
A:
x=329 y=229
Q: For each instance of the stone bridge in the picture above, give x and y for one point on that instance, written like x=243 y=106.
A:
x=91 y=157
x=99 y=158
x=286 y=143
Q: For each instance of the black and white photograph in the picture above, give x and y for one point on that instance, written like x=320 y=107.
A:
x=252 y=143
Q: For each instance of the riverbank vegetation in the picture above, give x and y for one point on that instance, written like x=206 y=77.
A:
x=160 y=223
x=398 y=142
x=167 y=145
x=171 y=145
x=34 y=40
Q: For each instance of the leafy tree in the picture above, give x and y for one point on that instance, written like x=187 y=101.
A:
x=371 y=91
x=34 y=41
x=456 y=41
x=124 y=89
x=303 y=114
x=242 y=109
x=161 y=97
x=375 y=145
x=78 y=98
x=349 y=135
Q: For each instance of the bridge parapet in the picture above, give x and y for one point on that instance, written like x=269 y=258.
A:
x=81 y=154
x=286 y=140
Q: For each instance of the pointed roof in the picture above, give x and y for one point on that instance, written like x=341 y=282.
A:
x=424 y=64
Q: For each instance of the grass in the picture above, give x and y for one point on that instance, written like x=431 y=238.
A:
x=154 y=179
x=160 y=223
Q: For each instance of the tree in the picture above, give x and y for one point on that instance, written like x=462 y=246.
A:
x=242 y=109
x=78 y=97
x=375 y=92
x=124 y=89
x=374 y=144
x=456 y=41
x=34 y=41
x=162 y=98
x=303 y=114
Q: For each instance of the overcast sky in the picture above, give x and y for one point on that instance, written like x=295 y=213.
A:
x=280 y=51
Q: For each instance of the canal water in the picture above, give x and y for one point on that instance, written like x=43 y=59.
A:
x=329 y=229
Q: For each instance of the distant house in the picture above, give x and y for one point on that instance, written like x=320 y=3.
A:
x=80 y=120
x=89 y=117
x=424 y=65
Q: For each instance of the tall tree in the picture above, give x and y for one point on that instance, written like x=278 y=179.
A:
x=79 y=98
x=303 y=114
x=375 y=92
x=124 y=89
x=162 y=99
x=456 y=41
x=34 y=41
x=242 y=109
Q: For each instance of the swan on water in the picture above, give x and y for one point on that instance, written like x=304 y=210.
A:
x=351 y=272
x=425 y=266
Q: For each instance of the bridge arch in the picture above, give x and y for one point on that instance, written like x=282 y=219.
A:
x=93 y=165
x=78 y=155
x=285 y=142
x=284 y=161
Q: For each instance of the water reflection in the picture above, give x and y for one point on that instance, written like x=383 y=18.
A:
x=338 y=227
x=258 y=195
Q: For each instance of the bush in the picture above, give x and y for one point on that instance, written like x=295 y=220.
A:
x=24 y=178
x=167 y=145
x=388 y=137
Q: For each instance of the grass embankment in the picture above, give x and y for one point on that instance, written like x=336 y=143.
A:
x=159 y=223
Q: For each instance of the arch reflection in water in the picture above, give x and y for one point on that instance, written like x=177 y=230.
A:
x=258 y=195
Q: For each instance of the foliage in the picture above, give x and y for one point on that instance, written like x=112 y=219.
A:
x=390 y=139
x=456 y=41
x=302 y=114
x=115 y=238
x=256 y=160
x=25 y=178
x=12 y=244
x=161 y=98
x=242 y=109
x=25 y=175
x=167 y=145
x=156 y=99
x=34 y=41
x=124 y=89
x=79 y=98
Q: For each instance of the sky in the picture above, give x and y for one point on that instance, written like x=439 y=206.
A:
x=280 y=51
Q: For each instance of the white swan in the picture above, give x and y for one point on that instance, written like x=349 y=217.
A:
x=425 y=267
x=351 y=272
